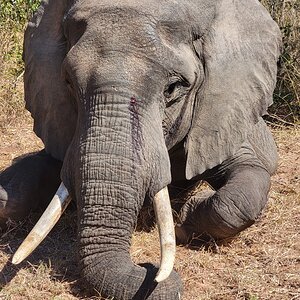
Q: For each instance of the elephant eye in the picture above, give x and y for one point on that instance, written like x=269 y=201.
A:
x=171 y=88
x=68 y=83
x=175 y=89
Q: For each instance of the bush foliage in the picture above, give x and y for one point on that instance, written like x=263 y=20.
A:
x=287 y=94
x=15 y=13
x=13 y=18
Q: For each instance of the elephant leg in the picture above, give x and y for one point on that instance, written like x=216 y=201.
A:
x=28 y=184
x=241 y=188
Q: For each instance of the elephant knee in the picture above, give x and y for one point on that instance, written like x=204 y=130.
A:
x=235 y=207
x=229 y=210
x=3 y=203
x=28 y=184
x=229 y=215
x=9 y=208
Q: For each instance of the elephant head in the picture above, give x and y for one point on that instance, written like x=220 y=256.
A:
x=113 y=87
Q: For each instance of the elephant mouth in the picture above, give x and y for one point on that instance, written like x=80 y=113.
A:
x=60 y=201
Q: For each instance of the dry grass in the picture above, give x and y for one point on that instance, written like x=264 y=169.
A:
x=263 y=262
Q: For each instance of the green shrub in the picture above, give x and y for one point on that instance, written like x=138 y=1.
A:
x=17 y=12
x=13 y=18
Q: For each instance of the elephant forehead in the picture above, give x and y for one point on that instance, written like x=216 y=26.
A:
x=158 y=32
x=181 y=15
x=156 y=8
x=119 y=29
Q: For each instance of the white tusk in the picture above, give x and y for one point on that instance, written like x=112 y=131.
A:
x=163 y=212
x=46 y=222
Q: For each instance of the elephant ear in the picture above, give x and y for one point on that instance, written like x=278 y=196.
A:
x=239 y=53
x=46 y=94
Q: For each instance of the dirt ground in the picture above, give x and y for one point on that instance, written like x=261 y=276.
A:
x=263 y=262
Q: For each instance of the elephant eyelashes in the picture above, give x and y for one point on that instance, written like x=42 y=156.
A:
x=175 y=90
x=69 y=85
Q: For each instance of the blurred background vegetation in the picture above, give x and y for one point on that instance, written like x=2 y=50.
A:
x=13 y=18
x=15 y=13
x=287 y=94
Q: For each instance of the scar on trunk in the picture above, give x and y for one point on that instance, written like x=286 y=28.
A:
x=136 y=131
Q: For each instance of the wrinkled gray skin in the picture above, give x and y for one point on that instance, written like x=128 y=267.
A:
x=134 y=95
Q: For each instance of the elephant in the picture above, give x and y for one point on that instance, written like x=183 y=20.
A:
x=130 y=97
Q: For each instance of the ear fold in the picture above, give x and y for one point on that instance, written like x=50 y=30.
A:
x=239 y=54
x=46 y=94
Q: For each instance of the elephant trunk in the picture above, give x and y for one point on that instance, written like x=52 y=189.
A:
x=111 y=178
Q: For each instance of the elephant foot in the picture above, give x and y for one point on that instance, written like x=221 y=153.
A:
x=190 y=226
x=27 y=185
